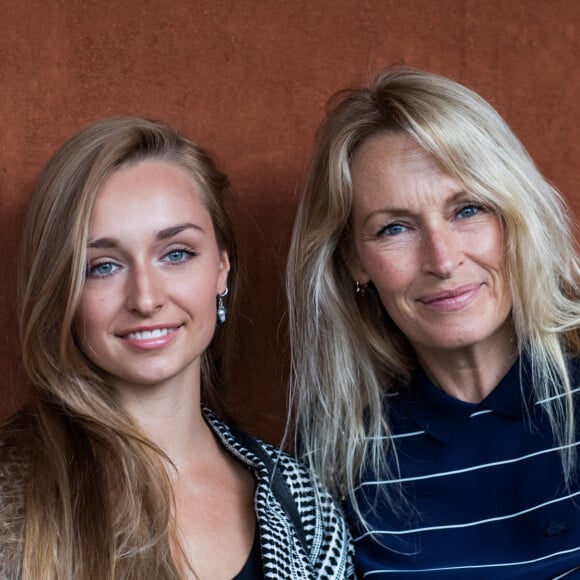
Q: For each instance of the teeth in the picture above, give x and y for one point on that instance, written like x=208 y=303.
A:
x=148 y=334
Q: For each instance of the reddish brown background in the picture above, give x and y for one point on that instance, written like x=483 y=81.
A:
x=249 y=79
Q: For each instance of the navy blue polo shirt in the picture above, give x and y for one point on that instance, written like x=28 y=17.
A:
x=485 y=496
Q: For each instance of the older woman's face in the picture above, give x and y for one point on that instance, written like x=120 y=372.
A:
x=435 y=254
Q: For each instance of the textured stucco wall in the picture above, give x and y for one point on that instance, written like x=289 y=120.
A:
x=249 y=79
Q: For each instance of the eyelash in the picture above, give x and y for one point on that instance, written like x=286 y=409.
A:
x=476 y=206
x=384 y=230
x=93 y=273
x=92 y=270
x=188 y=253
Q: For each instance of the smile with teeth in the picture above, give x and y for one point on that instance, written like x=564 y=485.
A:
x=150 y=334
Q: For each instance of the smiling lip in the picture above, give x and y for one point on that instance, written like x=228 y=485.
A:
x=150 y=338
x=451 y=300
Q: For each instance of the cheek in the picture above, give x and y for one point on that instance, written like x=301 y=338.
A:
x=82 y=318
x=394 y=304
x=392 y=282
x=91 y=316
x=390 y=272
x=490 y=244
x=198 y=301
x=84 y=337
x=491 y=254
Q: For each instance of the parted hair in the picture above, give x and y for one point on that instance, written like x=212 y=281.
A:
x=347 y=354
x=97 y=499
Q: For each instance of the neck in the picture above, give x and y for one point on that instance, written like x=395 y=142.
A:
x=170 y=416
x=470 y=374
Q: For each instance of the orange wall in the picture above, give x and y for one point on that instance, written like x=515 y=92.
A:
x=249 y=79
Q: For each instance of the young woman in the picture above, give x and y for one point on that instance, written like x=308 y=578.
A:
x=437 y=270
x=119 y=469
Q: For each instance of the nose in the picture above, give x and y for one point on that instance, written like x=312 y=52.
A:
x=145 y=292
x=441 y=251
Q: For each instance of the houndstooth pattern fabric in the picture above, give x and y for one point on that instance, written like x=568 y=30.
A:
x=329 y=553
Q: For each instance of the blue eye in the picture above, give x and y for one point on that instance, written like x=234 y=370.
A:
x=178 y=256
x=101 y=270
x=468 y=211
x=392 y=230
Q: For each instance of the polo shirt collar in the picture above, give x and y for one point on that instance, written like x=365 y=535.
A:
x=441 y=415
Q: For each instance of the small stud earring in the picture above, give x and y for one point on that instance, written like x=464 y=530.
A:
x=359 y=289
x=222 y=312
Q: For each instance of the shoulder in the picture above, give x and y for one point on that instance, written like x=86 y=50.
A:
x=322 y=518
x=263 y=456
x=300 y=496
x=259 y=454
x=15 y=455
x=316 y=512
x=297 y=476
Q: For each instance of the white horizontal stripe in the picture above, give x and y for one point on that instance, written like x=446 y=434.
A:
x=471 y=416
x=475 y=567
x=468 y=524
x=484 y=412
x=566 y=573
x=410 y=434
x=397 y=436
x=466 y=469
x=559 y=396
x=416 y=433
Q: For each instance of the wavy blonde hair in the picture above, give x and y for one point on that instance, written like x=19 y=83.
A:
x=347 y=354
x=98 y=500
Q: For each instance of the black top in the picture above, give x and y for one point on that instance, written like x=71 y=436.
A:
x=485 y=489
x=253 y=569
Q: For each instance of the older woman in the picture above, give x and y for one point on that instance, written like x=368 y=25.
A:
x=119 y=469
x=435 y=267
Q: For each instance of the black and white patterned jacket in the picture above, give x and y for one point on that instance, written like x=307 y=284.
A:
x=328 y=554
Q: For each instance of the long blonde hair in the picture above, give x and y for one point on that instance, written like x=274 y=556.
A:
x=98 y=501
x=347 y=354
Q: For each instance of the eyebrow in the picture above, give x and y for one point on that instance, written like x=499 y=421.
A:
x=174 y=230
x=161 y=235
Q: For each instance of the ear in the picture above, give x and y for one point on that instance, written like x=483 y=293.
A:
x=224 y=270
x=353 y=264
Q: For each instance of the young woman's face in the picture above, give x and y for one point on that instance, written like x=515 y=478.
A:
x=154 y=269
x=435 y=254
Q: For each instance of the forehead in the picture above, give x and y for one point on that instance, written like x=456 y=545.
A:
x=395 y=167
x=149 y=173
x=390 y=154
x=147 y=193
